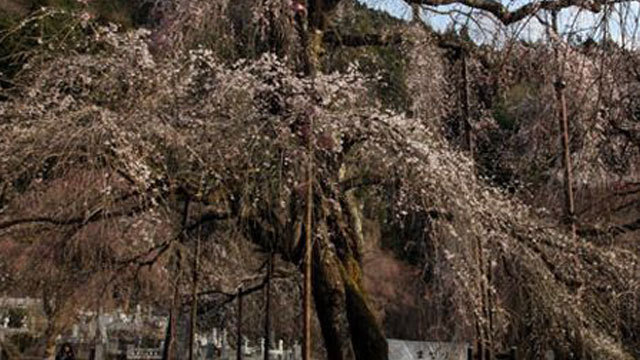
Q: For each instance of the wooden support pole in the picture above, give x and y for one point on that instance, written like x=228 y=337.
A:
x=489 y=299
x=169 y=351
x=267 y=316
x=239 y=326
x=311 y=41
x=483 y=327
x=308 y=250
x=166 y=349
x=468 y=129
x=566 y=157
x=194 y=299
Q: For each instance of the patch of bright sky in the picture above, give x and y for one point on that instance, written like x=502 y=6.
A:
x=623 y=24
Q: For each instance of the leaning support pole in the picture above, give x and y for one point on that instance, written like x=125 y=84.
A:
x=468 y=128
x=308 y=249
x=311 y=41
x=194 y=299
x=267 y=313
x=566 y=158
x=239 y=326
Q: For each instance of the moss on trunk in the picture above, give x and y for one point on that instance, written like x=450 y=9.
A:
x=349 y=326
x=367 y=337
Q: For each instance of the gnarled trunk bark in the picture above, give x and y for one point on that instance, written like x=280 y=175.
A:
x=329 y=293
x=349 y=326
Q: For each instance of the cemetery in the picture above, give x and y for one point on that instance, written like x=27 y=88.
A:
x=119 y=335
x=140 y=336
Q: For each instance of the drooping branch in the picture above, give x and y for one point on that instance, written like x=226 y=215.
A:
x=507 y=17
x=230 y=296
x=98 y=215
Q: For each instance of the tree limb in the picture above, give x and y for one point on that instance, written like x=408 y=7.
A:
x=101 y=214
x=507 y=17
x=626 y=228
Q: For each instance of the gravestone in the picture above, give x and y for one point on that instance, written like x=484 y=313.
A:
x=426 y=350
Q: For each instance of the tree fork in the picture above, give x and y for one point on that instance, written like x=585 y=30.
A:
x=345 y=317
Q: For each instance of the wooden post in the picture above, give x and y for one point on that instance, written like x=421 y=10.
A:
x=468 y=129
x=482 y=325
x=167 y=338
x=308 y=251
x=489 y=312
x=239 y=326
x=267 y=317
x=311 y=40
x=169 y=347
x=566 y=158
x=194 y=298
x=308 y=259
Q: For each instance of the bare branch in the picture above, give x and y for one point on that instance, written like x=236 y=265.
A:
x=98 y=215
x=507 y=17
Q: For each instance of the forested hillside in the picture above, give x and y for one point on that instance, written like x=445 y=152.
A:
x=181 y=154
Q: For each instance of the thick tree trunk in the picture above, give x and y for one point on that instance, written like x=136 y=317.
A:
x=329 y=293
x=349 y=327
x=367 y=337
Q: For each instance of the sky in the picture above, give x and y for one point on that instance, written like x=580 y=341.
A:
x=623 y=26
